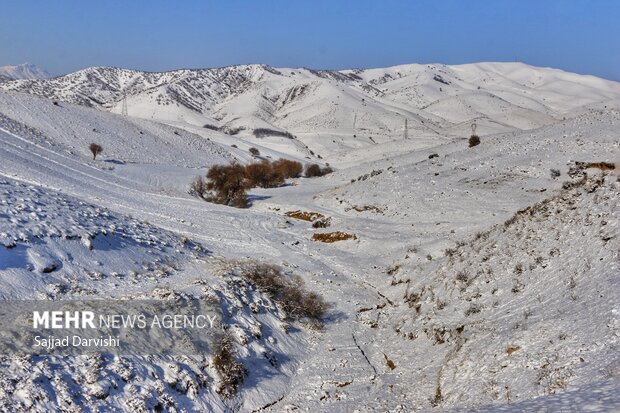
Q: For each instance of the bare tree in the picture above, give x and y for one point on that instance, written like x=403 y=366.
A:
x=228 y=183
x=288 y=168
x=313 y=170
x=95 y=149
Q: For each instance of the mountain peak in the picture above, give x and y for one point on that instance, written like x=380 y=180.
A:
x=23 y=71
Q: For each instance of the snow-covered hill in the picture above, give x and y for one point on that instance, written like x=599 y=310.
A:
x=349 y=109
x=475 y=278
x=23 y=71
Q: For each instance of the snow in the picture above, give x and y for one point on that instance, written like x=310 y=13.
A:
x=23 y=71
x=442 y=302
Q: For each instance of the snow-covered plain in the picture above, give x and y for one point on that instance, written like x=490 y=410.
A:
x=448 y=298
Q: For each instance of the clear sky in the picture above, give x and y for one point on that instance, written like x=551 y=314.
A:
x=582 y=36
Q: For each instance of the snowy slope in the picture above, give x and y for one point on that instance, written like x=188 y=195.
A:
x=501 y=320
x=342 y=110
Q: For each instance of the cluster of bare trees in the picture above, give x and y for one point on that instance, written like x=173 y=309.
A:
x=227 y=184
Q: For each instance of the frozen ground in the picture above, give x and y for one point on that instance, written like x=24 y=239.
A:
x=449 y=299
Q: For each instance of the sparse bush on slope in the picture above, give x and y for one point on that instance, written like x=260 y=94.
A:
x=314 y=170
x=474 y=140
x=289 y=292
x=95 y=149
x=254 y=152
x=230 y=370
x=198 y=187
x=262 y=132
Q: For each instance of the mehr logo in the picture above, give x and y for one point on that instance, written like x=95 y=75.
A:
x=87 y=320
x=63 y=319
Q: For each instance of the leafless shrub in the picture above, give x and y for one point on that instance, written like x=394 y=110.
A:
x=230 y=370
x=474 y=140
x=198 y=187
x=263 y=174
x=227 y=184
x=95 y=149
x=462 y=276
x=262 y=132
x=555 y=173
x=314 y=170
x=553 y=378
x=289 y=292
x=254 y=151
x=518 y=268
x=288 y=168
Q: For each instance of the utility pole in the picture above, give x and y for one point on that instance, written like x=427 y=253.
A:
x=124 y=107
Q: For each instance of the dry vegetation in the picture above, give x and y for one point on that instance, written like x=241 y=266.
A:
x=314 y=170
x=289 y=292
x=330 y=237
x=317 y=220
x=474 y=140
x=230 y=370
x=95 y=149
x=227 y=184
x=305 y=215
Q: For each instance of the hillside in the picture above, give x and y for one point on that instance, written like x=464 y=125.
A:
x=349 y=109
x=487 y=276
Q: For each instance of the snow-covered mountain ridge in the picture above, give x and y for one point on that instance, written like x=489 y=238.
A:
x=375 y=102
x=480 y=277
x=23 y=71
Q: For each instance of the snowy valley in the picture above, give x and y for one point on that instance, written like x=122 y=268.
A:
x=468 y=278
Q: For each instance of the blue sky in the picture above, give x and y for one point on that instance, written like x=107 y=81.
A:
x=65 y=35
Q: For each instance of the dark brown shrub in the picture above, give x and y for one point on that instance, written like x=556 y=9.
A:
x=474 y=140
x=330 y=237
x=264 y=175
x=288 y=168
x=262 y=132
x=313 y=170
x=254 y=151
x=228 y=185
x=95 y=149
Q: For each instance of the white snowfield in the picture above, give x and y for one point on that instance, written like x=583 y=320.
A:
x=479 y=279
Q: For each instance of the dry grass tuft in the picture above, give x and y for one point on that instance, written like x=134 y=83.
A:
x=305 y=215
x=330 y=237
x=511 y=349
